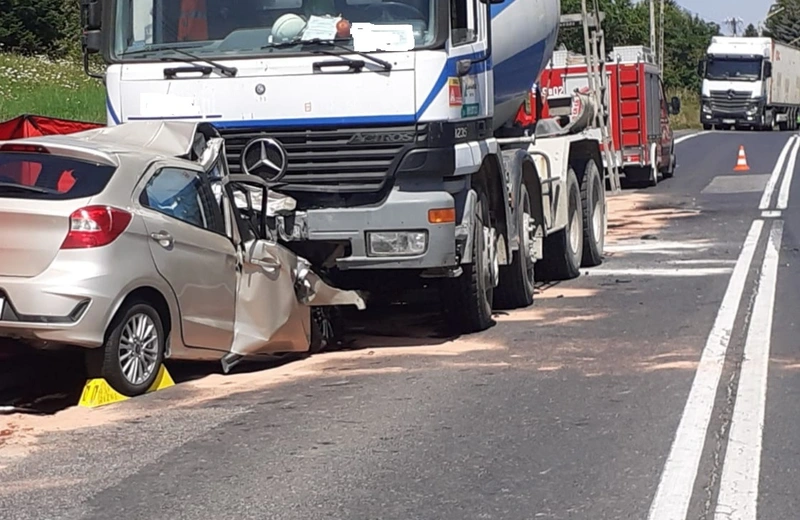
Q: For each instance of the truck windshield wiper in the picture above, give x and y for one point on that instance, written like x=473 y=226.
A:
x=329 y=43
x=222 y=69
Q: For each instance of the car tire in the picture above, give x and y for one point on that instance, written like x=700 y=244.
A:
x=563 y=250
x=467 y=300
x=133 y=352
x=517 y=280
x=593 y=204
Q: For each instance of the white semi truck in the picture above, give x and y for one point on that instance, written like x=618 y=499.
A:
x=750 y=83
x=393 y=136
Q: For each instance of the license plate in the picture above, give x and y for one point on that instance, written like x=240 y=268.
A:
x=729 y=121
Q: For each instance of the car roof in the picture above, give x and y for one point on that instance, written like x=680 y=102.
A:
x=136 y=141
x=130 y=148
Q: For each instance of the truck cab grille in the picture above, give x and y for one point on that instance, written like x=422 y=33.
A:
x=729 y=101
x=333 y=160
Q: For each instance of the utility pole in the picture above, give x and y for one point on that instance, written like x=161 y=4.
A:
x=653 y=46
x=734 y=24
x=661 y=38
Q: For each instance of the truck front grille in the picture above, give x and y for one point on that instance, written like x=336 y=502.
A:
x=733 y=101
x=332 y=160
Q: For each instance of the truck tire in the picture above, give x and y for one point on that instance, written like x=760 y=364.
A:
x=467 y=300
x=517 y=280
x=707 y=127
x=563 y=250
x=593 y=202
x=669 y=171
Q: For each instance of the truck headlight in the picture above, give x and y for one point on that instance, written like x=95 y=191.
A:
x=396 y=243
x=706 y=109
x=751 y=111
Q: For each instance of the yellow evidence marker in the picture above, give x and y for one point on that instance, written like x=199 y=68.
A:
x=97 y=392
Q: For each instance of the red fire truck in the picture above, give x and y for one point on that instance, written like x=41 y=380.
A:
x=638 y=109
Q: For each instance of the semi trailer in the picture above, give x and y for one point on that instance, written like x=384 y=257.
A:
x=392 y=132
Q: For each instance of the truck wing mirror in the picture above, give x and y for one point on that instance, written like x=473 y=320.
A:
x=767 y=69
x=675 y=105
x=91 y=23
x=701 y=67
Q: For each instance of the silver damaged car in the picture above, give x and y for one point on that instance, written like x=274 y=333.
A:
x=135 y=243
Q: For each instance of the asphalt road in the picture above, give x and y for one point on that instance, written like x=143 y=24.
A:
x=662 y=385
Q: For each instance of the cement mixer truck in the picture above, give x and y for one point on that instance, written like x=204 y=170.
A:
x=392 y=135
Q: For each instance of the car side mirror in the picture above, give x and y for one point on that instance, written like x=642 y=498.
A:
x=258 y=254
x=675 y=106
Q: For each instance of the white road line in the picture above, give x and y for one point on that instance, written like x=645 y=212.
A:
x=786 y=183
x=738 y=493
x=683 y=138
x=658 y=246
x=671 y=501
x=770 y=214
x=766 y=198
x=656 y=272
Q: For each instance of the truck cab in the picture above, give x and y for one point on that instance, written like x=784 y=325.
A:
x=735 y=89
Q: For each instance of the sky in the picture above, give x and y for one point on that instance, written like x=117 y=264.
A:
x=751 y=11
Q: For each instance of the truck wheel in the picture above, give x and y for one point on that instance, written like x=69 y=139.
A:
x=467 y=300
x=593 y=202
x=517 y=279
x=133 y=351
x=563 y=250
x=707 y=127
x=669 y=171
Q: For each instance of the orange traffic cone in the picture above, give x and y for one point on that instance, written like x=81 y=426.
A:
x=741 y=161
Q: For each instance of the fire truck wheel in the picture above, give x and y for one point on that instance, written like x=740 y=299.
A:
x=563 y=250
x=467 y=300
x=516 y=286
x=669 y=171
x=593 y=202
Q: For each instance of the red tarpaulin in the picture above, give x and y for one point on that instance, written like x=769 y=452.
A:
x=34 y=126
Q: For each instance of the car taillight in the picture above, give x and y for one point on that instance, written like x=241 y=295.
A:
x=95 y=226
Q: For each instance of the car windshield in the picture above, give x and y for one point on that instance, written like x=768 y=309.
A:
x=733 y=70
x=50 y=177
x=146 y=29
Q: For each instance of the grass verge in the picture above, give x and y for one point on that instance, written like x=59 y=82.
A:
x=37 y=85
x=689 y=118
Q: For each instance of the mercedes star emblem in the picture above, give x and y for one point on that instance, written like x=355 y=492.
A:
x=260 y=89
x=265 y=158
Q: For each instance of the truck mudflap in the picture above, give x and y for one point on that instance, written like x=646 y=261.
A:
x=276 y=290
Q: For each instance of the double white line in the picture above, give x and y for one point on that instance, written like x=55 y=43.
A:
x=740 y=474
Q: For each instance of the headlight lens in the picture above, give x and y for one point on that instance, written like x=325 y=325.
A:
x=397 y=243
x=706 y=109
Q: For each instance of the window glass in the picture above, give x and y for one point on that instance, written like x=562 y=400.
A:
x=463 y=22
x=182 y=194
x=50 y=177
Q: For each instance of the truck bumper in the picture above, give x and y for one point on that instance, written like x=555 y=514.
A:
x=397 y=234
x=739 y=119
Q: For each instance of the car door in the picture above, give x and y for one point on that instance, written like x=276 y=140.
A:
x=192 y=252
x=276 y=288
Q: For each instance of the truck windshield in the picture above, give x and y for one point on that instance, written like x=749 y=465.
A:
x=222 y=28
x=733 y=69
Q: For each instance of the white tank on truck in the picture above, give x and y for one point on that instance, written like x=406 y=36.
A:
x=392 y=127
x=750 y=83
